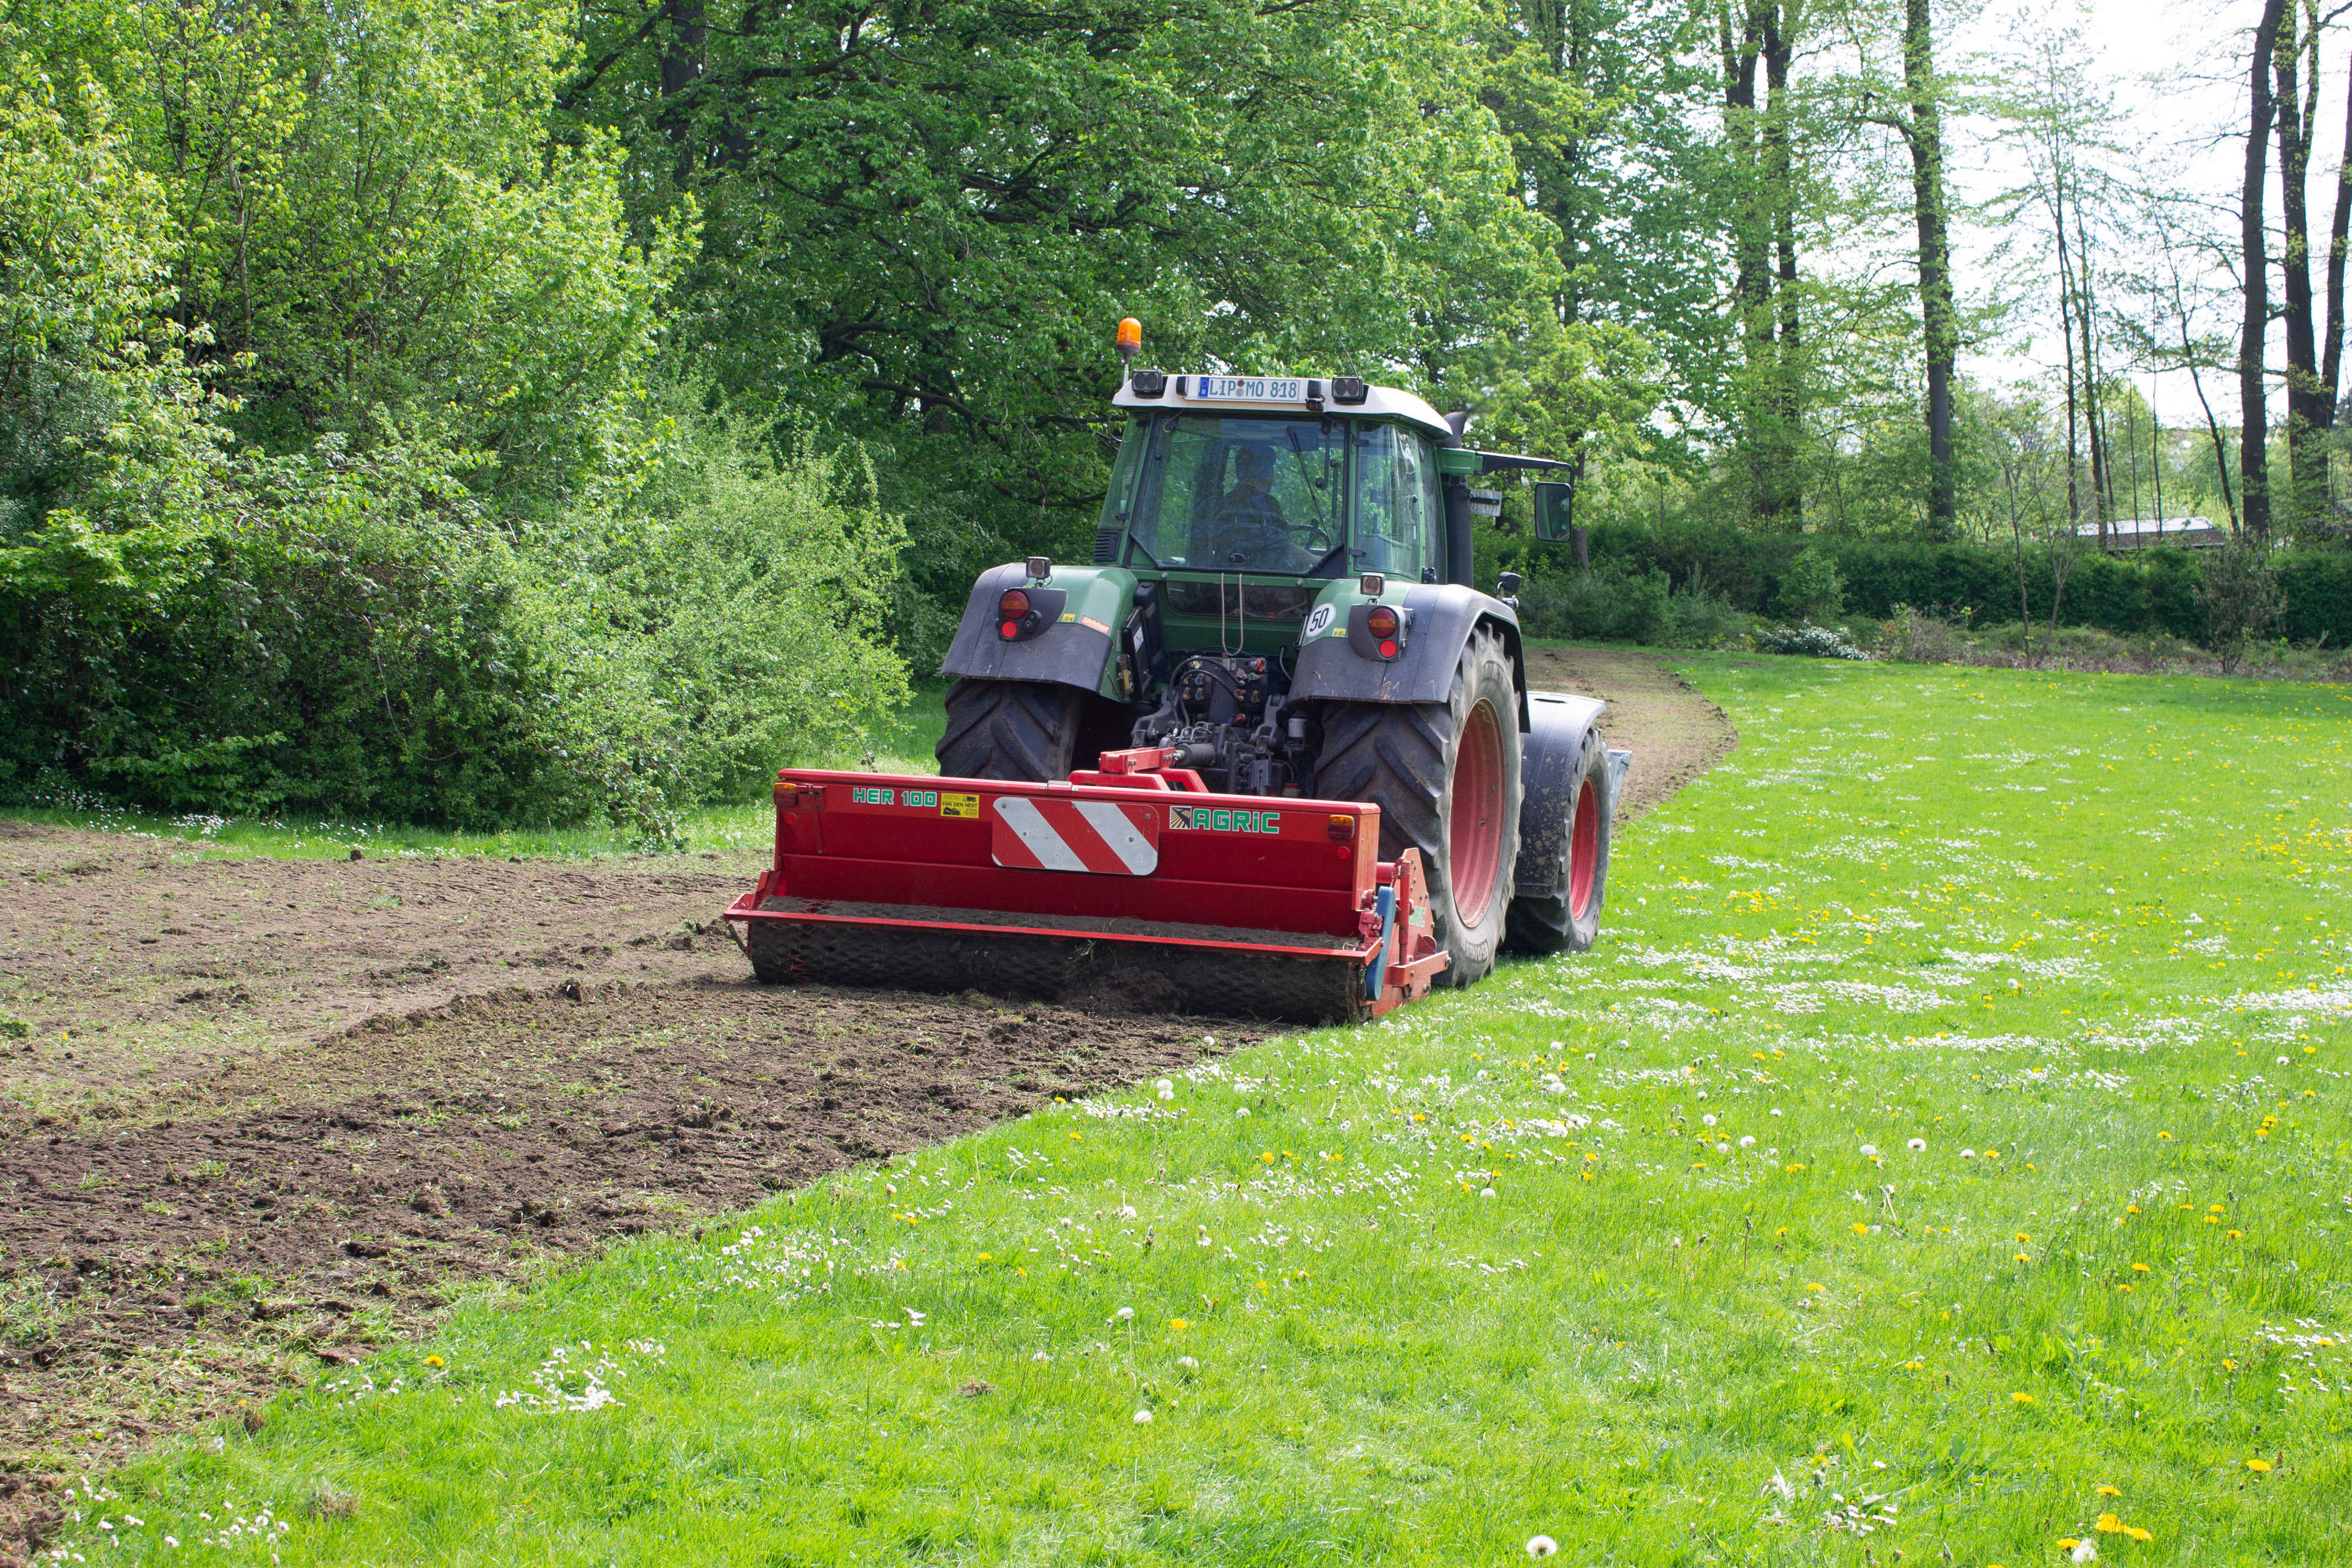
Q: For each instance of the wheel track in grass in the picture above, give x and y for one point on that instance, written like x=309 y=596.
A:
x=271 y=1111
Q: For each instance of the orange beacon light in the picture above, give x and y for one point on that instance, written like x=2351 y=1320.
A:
x=1131 y=338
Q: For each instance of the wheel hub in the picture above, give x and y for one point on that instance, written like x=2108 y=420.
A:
x=1475 y=829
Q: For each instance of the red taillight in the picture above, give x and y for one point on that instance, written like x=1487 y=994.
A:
x=1009 y=630
x=1388 y=649
x=1012 y=606
x=1382 y=623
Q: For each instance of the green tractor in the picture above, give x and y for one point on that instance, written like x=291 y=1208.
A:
x=1280 y=601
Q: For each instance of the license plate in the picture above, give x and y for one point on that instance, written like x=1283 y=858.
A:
x=1250 y=388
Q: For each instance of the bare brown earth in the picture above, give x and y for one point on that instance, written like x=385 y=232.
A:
x=1675 y=733
x=255 y=1114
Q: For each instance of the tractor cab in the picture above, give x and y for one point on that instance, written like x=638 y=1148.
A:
x=1258 y=475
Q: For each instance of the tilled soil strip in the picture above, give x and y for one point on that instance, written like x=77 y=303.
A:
x=527 y=1126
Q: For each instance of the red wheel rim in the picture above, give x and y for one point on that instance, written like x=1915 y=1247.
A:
x=1583 y=849
x=1475 y=831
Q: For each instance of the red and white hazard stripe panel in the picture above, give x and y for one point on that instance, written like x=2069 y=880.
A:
x=1051 y=835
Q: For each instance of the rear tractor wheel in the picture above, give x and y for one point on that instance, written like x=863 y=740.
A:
x=1563 y=870
x=1446 y=778
x=1021 y=731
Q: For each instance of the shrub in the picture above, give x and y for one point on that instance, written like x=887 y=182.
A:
x=1812 y=590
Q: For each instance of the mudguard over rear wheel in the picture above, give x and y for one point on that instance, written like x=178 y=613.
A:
x=1446 y=779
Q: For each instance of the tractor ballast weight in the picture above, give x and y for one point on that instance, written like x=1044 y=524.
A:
x=1269 y=752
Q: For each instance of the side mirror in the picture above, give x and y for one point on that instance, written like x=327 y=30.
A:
x=1555 y=512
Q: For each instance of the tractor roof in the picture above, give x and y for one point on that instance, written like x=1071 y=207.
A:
x=1281 y=395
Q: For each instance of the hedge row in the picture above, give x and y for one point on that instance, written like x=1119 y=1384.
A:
x=2152 y=590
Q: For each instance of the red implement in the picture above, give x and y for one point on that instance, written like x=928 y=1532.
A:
x=1129 y=884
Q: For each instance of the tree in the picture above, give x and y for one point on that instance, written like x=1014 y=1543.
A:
x=2253 y=455
x=921 y=220
x=1938 y=322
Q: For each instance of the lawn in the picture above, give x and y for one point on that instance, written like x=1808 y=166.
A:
x=1943 y=1156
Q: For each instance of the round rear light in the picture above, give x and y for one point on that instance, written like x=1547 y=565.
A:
x=1009 y=630
x=1381 y=622
x=1013 y=606
x=1388 y=648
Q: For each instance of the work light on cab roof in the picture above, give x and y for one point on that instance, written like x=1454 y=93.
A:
x=1269 y=751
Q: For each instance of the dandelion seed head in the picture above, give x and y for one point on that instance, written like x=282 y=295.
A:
x=1143 y=1418
x=1918 y=1145
x=1542 y=1546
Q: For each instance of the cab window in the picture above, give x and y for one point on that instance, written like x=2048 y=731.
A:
x=1219 y=494
x=1394 y=486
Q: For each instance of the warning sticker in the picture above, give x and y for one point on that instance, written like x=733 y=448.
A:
x=1093 y=625
x=960 y=805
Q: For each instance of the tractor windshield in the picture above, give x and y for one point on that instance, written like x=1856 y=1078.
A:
x=1220 y=494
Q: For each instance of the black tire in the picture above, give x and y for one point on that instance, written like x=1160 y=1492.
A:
x=1019 y=730
x=1402 y=757
x=1552 y=919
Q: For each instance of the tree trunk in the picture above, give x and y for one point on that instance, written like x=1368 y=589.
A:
x=1938 y=322
x=1780 y=25
x=2253 y=456
x=2332 y=360
x=1751 y=247
x=2307 y=419
x=2066 y=316
x=2094 y=424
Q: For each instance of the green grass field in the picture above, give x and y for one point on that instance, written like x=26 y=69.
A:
x=1943 y=1156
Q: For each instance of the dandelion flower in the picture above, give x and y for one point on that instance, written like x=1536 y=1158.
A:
x=2139 y=1269
x=1541 y=1546
x=1814 y=1286
x=2131 y=1209
x=2023 y=1399
x=2165 y=1136
x=1860 y=1228
x=1267 y=1159
x=2111 y=1491
x=434 y=1361
x=2258 y=1466
x=1143 y=1418
x=1918 y=1145
x=2136 y=1534
x=2235 y=1234
x=2108 y=1524
x=1179 y=1324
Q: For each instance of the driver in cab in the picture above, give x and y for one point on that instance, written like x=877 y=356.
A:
x=1247 y=529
